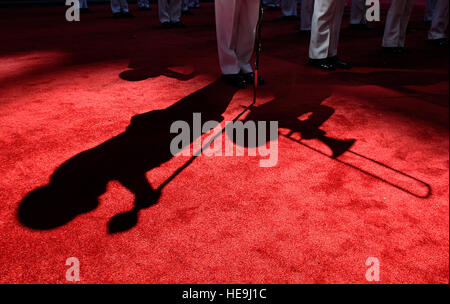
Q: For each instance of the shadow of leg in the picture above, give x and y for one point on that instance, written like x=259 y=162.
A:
x=145 y=196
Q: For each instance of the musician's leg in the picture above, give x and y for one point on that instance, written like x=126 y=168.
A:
x=226 y=27
x=404 y=21
x=393 y=27
x=175 y=10
x=306 y=15
x=439 y=23
x=336 y=27
x=322 y=20
x=163 y=11
x=248 y=19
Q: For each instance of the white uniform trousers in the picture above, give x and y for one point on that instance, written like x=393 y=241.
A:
x=439 y=21
x=169 y=10
x=325 y=28
x=306 y=13
x=236 y=27
x=358 y=12
x=118 y=6
x=83 y=4
x=429 y=9
x=397 y=23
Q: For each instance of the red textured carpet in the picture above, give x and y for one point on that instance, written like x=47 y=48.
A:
x=70 y=161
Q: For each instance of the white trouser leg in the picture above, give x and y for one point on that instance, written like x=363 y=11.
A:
x=83 y=4
x=358 y=12
x=336 y=28
x=325 y=28
x=289 y=7
x=439 y=22
x=115 y=6
x=164 y=11
x=175 y=10
x=306 y=12
x=185 y=5
x=119 y=5
x=397 y=23
x=247 y=29
x=124 y=5
x=429 y=9
x=236 y=26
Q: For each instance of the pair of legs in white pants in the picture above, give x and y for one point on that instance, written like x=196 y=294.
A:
x=118 y=6
x=236 y=22
x=439 y=22
x=306 y=14
x=397 y=23
x=325 y=28
x=143 y=3
x=358 y=12
x=169 y=10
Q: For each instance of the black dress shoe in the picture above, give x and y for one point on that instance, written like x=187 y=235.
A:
x=178 y=25
x=144 y=8
x=187 y=13
x=127 y=15
x=322 y=64
x=439 y=42
x=250 y=78
x=338 y=64
x=235 y=80
x=166 y=25
x=117 y=15
x=395 y=50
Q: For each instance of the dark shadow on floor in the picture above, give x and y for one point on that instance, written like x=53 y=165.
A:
x=302 y=114
x=76 y=185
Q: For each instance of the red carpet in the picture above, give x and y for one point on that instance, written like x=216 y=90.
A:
x=70 y=161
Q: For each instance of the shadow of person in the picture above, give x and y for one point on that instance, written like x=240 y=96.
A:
x=75 y=186
x=304 y=117
x=152 y=62
x=153 y=71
